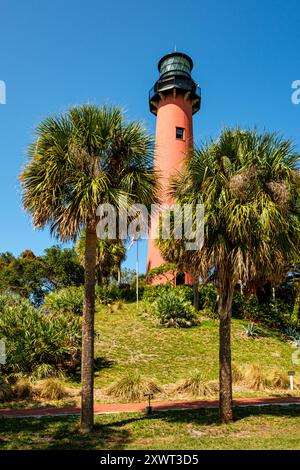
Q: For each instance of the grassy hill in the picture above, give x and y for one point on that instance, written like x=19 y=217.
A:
x=127 y=341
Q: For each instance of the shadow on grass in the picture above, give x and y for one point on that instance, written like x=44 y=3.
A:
x=114 y=433
x=59 y=433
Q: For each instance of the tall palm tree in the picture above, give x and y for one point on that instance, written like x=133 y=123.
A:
x=79 y=160
x=109 y=256
x=249 y=185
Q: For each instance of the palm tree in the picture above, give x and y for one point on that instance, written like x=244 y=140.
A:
x=249 y=185
x=110 y=254
x=81 y=159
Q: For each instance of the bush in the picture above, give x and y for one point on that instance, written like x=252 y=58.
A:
x=67 y=300
x=33 y=338
x=196 y=386
x=127 y=292
x=274 y=314
x=52 y=389
x=133 y=387
x=208 y=299
x=107 y=294
x=151 y=293
x=44 y=371
x=173 y=310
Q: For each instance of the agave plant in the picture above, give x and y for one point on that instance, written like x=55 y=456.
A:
x=250 y=330
x=292 y=333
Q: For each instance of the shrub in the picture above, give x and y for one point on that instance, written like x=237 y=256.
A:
x=52 y=389
x=276 y=313
x=23 y=389
x=151 y=293
x=208 y=299
x=173 y=310
x=67 y=300
x=44 y=371
x=196 y=385
x=107 y=294
x=132 y=387
x=127 y=292
x=6 y=391
x=186 y=292
x=33 y=338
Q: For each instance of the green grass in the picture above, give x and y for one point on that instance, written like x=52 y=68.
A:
x=128 y=342
x=254 y=428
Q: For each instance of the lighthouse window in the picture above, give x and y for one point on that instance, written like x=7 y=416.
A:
x=180 y=133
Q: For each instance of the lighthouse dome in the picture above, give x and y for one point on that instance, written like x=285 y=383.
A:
x=176 y=63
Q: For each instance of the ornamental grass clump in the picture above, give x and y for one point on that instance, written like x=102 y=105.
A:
x=52 y=389
x=23 y=389
x=6 y=391
x=256 y=378
x=279 y=379
x=132 y=387
x=196 y=385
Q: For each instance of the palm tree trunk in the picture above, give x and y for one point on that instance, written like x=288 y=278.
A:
x=225 y=376
x=87 y=358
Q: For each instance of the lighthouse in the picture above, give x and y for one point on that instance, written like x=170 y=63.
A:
x=174 y=99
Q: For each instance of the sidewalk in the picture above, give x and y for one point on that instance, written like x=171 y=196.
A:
x=138 y=407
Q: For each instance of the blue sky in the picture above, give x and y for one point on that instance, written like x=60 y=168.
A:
x=58 y=53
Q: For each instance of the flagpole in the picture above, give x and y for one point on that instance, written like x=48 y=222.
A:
x=137 y=272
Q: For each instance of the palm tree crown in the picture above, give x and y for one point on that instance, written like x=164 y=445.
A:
x=86 y=157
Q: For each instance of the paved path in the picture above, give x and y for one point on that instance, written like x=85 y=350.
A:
x=131 y=407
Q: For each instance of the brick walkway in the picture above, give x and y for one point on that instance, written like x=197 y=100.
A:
x=134 y=407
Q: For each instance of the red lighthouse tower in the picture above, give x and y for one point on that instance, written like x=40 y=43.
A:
x=174 y=99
